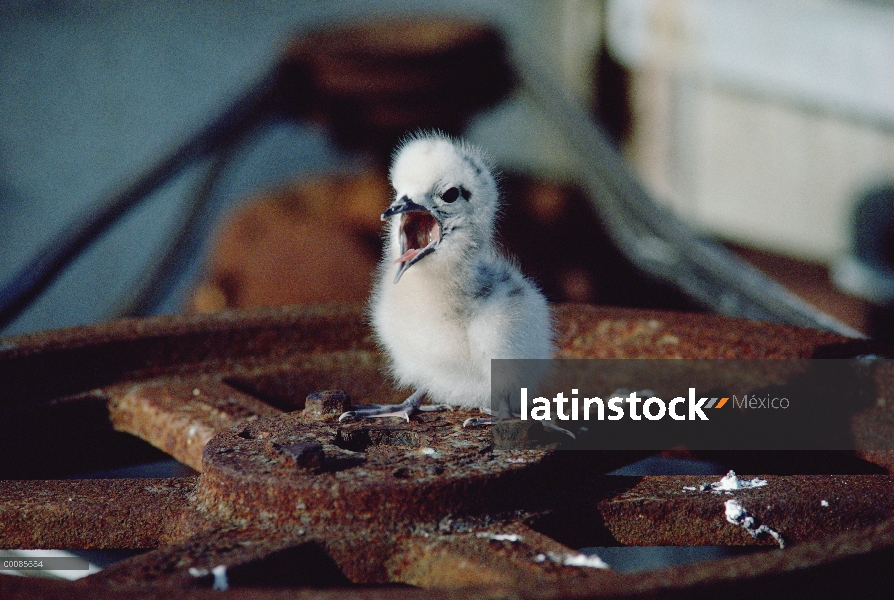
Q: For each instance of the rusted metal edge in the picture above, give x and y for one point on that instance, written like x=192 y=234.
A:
x=681 y=511
x=576 y=319
x=181 y=416
x=171 y=326
x=143 y=513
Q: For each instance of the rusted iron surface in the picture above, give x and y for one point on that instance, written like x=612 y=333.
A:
x=331 y=557
x=326 y=405
x=386 y=476
x=838 y=566
x=130 y=513
x=180 y=416
x=44 y=589
x=50 y=365
x=285 y=383
x=284 y=483
x=675 y=511
x=597 y=332
x=501 y=555
x=873 y=428
x=47 y=365
x=188 y=564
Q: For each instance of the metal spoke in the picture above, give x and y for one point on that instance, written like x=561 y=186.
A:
x=289 y=497
x=94 y=513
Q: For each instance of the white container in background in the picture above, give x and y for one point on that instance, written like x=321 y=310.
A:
x=760 y=121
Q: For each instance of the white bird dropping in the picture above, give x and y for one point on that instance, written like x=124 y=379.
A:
x=446 y=301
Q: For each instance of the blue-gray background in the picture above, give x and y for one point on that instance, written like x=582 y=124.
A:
x=92 y=92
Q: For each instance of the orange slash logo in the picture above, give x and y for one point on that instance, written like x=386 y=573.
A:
x=715 y=404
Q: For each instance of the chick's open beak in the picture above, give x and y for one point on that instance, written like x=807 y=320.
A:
x=420 y=233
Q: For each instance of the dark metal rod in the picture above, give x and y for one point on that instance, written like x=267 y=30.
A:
x=651 y=236
x=46 y=264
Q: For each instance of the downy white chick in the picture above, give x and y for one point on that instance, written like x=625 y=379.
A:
x=446 y=302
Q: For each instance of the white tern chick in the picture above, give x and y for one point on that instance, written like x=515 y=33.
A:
x=446 y=301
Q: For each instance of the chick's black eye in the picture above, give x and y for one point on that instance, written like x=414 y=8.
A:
x=450 y=195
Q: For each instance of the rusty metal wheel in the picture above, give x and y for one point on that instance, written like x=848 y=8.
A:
x=289 y=498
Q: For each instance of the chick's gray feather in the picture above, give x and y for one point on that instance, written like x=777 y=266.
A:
x=446 y=301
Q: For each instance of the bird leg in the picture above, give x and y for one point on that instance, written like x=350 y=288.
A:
x=476 y=421
x=552 y=426
x=503 y=412
x=506 y=412
x=410 y=406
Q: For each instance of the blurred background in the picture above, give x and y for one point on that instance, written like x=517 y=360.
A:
x=199 y=156
x=764 y=128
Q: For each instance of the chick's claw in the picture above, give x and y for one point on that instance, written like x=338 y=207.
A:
x=553 y=427
x=403 y=410
x=374 y=411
